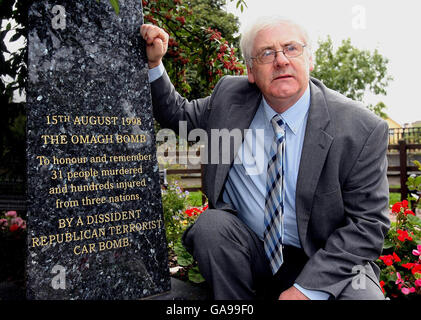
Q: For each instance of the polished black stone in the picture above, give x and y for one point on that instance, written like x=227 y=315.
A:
x=90 y=66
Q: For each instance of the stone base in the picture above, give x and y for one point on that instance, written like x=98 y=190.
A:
x=181 y=290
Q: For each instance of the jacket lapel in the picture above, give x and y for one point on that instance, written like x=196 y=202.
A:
x=239 y=117
x=317 y=141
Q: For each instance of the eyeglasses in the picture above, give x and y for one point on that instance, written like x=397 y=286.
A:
x=291 y=50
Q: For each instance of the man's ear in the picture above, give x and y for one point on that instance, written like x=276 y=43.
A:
x=311 y=64
x=250 y=74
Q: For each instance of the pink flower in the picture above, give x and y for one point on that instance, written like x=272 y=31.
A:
x=19 y=222
x=399 y=279
x=418 y=282
x=3 y=221
x=407 y=291
x=11 y=214
x=417 y=252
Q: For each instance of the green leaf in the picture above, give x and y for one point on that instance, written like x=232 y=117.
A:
x=387 y=244
x=410 y=198
x=350 y=70
x=417 y=163
x=195 y=276
x=184 y=258
x=414 y=220
x=115 y=5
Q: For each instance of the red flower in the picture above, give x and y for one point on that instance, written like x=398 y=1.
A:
x=14 y=227
x=403 y=235
x=405 y=204
x=396 y=258
x=407 y=211
x=416 y=268
x=396 y=208
x=150 y=19
x=388 y=260
x=408 y=265
x=189 y=212
x=223 y=48
x=182 y=20
x=382 y=286
x=215 y=36
x=172 y=42
x=193 y=212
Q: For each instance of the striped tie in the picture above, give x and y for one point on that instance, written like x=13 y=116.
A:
x=274 y=202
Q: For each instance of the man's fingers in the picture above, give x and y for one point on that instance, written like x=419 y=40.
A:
x=151 y=32
x=156 y=43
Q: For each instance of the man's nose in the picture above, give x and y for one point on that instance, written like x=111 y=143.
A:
x=280 y=59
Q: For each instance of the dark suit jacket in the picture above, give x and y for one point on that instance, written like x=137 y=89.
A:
x=342 y=189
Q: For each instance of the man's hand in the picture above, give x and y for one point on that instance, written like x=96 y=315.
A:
x=156 y=43
x=292 y=294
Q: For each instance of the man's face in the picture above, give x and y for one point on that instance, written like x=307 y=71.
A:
x=285 y=80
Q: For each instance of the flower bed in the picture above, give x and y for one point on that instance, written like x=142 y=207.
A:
x=400 y=263
x=178 y=216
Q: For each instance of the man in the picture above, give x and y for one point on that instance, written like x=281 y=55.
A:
x=309 y=225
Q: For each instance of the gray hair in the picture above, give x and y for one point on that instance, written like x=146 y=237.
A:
x=261 y=23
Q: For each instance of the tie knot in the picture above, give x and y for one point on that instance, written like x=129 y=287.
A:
x=278 y=126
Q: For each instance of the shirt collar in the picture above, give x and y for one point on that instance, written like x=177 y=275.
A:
x=295 y=115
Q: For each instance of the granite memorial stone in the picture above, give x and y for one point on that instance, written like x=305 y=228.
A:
x=95 y=224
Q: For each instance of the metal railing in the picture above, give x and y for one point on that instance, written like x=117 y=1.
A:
x=403 y=170
x=409 y=135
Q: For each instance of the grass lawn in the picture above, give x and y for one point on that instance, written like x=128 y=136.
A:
x=195 y=199
x=394 y=197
